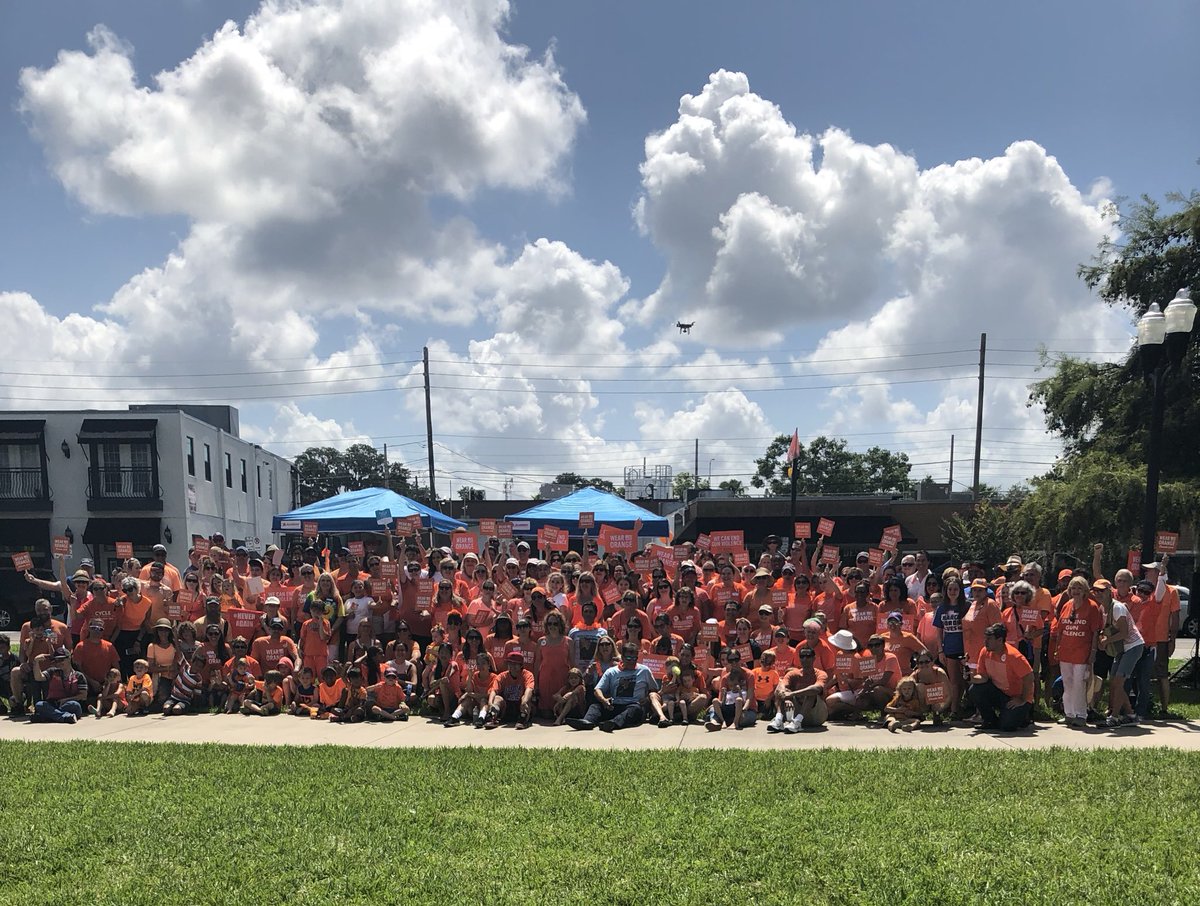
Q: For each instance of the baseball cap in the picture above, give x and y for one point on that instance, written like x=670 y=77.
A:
x=391 y=671
x=159 y=547
x=272 y=601
x=1064 y=574
x=515 y=657
x=766 y=608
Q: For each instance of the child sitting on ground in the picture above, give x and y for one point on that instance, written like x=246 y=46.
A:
x=139 y=691
x=300 y=693
x=905 y=709
x=766 y=679
x=352 y=707
x=112 y=696
x=570 y=700
x=241 y=683
x=329 y=693
x=473 y=703
x=385 y=700
x=189 y=681
x=267 y=697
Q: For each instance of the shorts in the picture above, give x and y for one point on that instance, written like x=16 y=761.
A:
x=1162 y=666
x=510 y=712
x=749 y=718
x=846 y=697
x=1102 y=664
x=1128 y=661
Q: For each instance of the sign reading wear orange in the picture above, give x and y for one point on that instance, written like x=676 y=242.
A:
x=487 y=527
x=587 y=520
x=378 y=588
x=1166 y=542
x=1133 y=562
x=741 y=558
x=424 y=591
x=22 y=562
x=802 y=530
x=60 y=546
x=935 y=694
x=243 y=622
x=722 y=595
x=831 y=554
x=504 y=530
x=124 y=549
x=309 y=529
x=389 y=570
x=666 y=555
x=620 y=540
x=508 y=590
x=408 y=525
x=201 y=546
x=891 y=537
x=874 y=556
x=610 y=594
x=825 y=527
x=183 y=603
x=708 y=632
x=174 y=609
x=641 y=564
x=727 y=542
x=463 y=543
x=356 y=549
x=779 y=597
x=703 y=542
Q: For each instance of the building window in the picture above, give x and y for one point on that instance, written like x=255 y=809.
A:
x=110 y=468
x=270 y=484
x=228 y=471
x=258 y=477
x=139 y=461
x=243 y=476
x=191 y=456
x=207 y=463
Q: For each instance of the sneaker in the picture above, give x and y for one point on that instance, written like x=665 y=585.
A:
x=491 y=723
x=451 y=722
x=776 y=724
x=522 y=725
x=664 y=723
x=712 y=726
x=578 y=723
x=607 y=726
x=1112 y=722
x=1130 y=720
x=478 y=723
x=71 y=718
x=92 y=711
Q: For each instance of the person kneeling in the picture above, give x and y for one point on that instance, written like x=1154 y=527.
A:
x=1002 y=687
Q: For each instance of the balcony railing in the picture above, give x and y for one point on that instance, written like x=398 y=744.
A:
x=22 y=484
x=124 y=488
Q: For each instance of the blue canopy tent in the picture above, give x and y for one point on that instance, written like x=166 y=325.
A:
x=609 y=509
x=355 y=511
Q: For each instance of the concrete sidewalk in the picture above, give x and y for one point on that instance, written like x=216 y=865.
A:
x=420 y=732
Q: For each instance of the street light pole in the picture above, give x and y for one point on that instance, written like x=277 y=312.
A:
x=1154 y=331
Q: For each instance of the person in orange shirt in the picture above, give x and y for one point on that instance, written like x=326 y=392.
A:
x=684 y=615
x=1167 y=629
x=329 y=693
x=386 y=700
x=904 y=645
x=798 y=609
x=170 y=577
x=1074 y=637
x=785 y=654
x=933 y=685
x=266 y=698
x=139 y=691
x=1002 y=686
x=800 y=696
x=132 y=609
x=511 y=694
x=861 y=615
x=982 y=613
x=765 y=679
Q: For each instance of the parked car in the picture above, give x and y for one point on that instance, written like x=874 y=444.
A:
x=1189 y=623
x=17 y=598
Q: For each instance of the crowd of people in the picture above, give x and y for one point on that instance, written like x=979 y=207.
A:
x=596 y=640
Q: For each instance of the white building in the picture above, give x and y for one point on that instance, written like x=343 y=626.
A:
x=155 y=474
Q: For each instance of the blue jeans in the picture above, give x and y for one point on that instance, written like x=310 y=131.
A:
x=1141 y=681
x=56 y=712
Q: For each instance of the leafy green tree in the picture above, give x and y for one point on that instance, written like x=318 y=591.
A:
x=827 y=466
x=683 y=483
x=325 y=471
x=988 y=534
x=578 y=481
x=468 y=494
x=734 y=486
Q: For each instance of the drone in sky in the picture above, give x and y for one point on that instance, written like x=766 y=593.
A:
x=685 y=328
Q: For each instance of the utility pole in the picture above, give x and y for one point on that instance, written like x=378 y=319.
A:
x=429 y=431
x=950 y=486
x=387 y=476
x=979 y=415
x=696 y=471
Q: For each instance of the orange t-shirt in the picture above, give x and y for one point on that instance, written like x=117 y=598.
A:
x=765 y=681
x=388 y=696
x=1076 y=630
x=1007 y=669
x=131 y=614
x=328 y=695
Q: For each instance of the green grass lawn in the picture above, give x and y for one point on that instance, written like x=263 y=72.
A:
x=127 y=823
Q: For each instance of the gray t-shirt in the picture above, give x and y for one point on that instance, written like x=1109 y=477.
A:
x=627 y=686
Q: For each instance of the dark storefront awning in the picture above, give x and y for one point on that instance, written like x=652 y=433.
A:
x=22 y=533
x=94 y=430
x=15 y=430
x=143 y=531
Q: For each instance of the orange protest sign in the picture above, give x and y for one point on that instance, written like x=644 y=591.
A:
x=825 y=527
x=587 y=520
x=831 y=554
x=703 y=542
x=60 y=546
x=1166 y=542
x=504 y=530
x=722 y=595
x=891 y=537
x=725 y=542
x=641 y=564
x=558 y=539
x=175 y=608
x=22 y=562
x=935 y=694
x=243 y=622
x=620 y=540
x=655 y=663
x=741 y=558
x=201 y=546
x=1133 y=562
x=408 y=525
x=708 y=633
x=508 y=590
x=779 y=597
x=463 y=543
x=874 y=557
x=487 y=527
x=378 y=588
x=424 y=591
x=124 y=549
x=802 y=530
x=610 y=594
x=356 y=549
x=309 y=529
x=389 y=570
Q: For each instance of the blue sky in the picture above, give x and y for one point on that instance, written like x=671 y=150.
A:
x=1101 y=89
